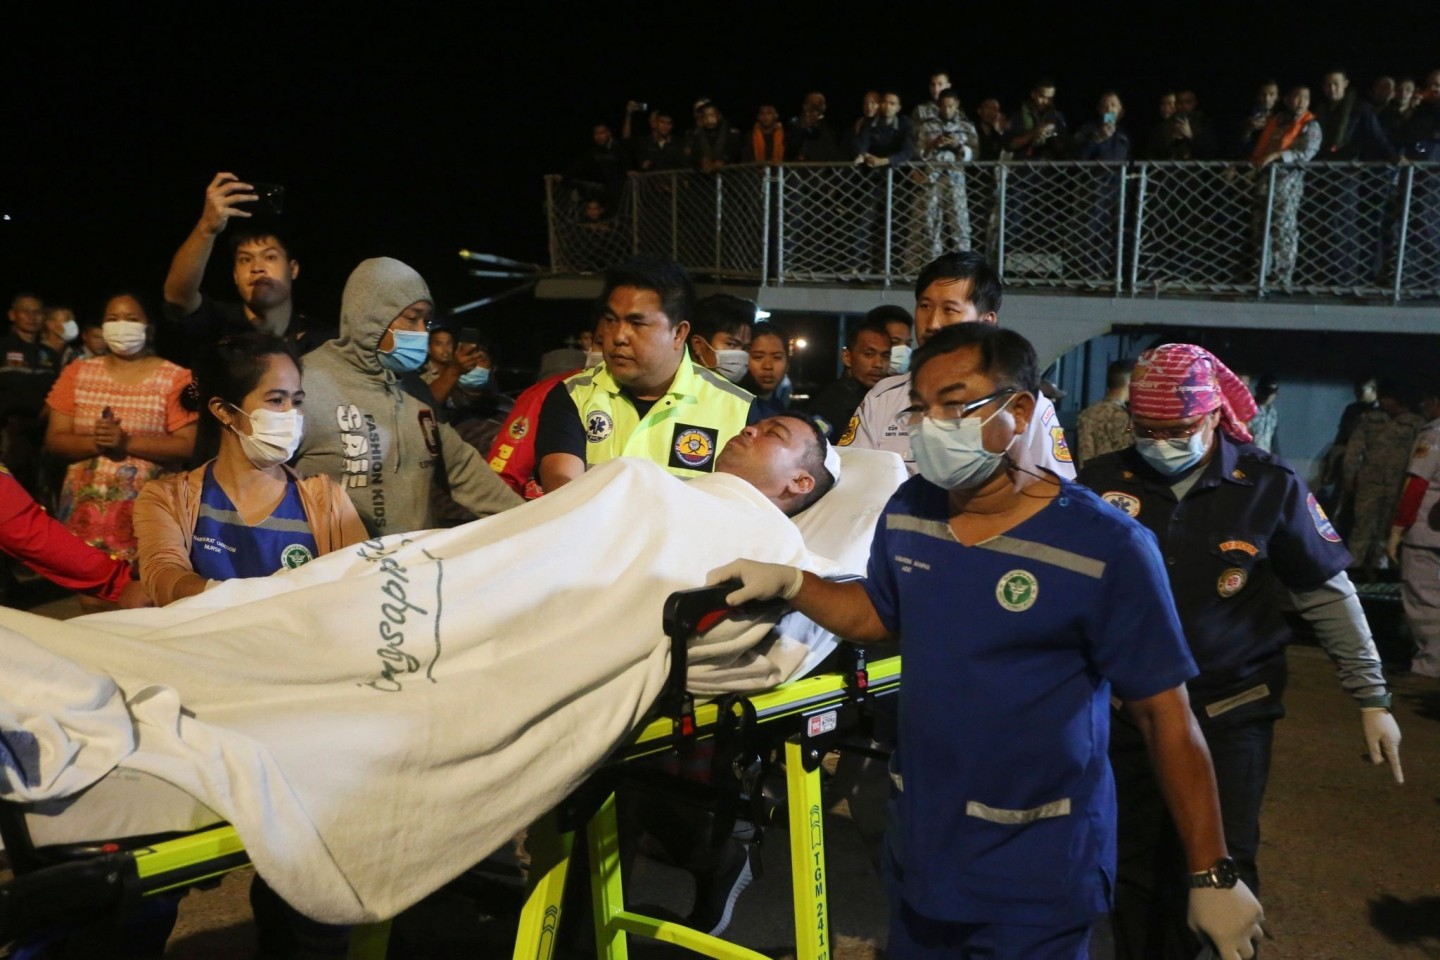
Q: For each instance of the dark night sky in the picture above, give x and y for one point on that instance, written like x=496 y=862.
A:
x=414 y=130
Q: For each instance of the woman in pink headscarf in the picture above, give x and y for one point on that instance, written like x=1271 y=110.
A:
x=1238 y=528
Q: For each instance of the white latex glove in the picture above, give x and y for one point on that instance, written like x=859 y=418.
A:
x=762 y=581
x=1382 y=736
x=1230 y=918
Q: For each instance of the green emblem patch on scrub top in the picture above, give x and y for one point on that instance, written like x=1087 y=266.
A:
x=294 y=556
x=1017 y=591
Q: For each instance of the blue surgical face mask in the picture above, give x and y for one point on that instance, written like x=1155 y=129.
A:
x=951 y=453
x=900 y=358
x=411 y=349
x=1173 y=457
x=475 y=379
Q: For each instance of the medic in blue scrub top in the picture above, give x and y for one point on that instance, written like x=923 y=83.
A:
x=1019 y=613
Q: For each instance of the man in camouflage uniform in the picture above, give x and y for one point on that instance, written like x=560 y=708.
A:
x=942 y=220
x=1375 y=461
x=1104 y=426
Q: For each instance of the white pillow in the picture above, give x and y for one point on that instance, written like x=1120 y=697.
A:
x=840 y=525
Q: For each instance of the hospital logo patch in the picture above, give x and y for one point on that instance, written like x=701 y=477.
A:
x=693 y=449
x=295 y=555
x=1231 y=582
x=1323 y=525
x=1017 y=591
x=518 y=428
x=848 y=437
x=1058 y=446
x=598 y=426
x=1122 y=501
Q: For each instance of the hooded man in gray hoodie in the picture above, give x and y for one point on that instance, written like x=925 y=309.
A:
x=377 y=441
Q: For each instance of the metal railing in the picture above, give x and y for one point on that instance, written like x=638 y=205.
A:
x=1355 y=230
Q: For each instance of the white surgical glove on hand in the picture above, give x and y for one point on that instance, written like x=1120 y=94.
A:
x=761 y=581
x=1230 y=918
x=1382 y=736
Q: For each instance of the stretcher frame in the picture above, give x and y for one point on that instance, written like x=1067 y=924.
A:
x=54 y=885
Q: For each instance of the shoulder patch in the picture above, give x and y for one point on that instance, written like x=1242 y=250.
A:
x=1422 y=449
x=598 y=426
x=848 y=437
x=1124 y=502
x=1059 y=448
x=1323 y=526
x=518 y=428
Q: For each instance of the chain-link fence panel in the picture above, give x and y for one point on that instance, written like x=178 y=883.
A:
x=1061 y=224
x=1346 y=230
x=656 y=213
x=1199 y=227
x=584 y=237
x=697 y=220
x=1323 y=229
x=832 y=222
x=745 y=221
x=1420 y=217
x=676 y=216
x=931 y=215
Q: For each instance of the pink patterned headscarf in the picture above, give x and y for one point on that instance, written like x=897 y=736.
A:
x=1180 y=380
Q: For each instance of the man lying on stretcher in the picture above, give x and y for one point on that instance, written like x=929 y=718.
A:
x=445 y=687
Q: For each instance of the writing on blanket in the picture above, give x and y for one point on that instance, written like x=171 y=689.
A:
x=398 y=613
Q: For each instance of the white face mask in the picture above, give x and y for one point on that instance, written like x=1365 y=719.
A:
x=125 y=338
x=900 y=358
x=1173 y=457
x=732 y=364
x=951 y=453
x=69 y=330
x=274 y=436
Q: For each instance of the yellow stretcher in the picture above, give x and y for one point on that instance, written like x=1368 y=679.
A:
x=79 y=884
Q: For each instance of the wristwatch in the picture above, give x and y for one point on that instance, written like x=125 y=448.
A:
x=1222 y=876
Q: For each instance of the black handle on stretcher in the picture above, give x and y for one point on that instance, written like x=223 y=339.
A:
x=688 y=612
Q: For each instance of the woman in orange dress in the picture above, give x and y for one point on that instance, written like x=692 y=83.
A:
x=117 y=420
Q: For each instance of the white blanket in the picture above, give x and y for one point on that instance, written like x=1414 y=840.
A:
x=374 y=722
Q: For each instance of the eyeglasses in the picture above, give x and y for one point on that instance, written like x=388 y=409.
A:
x=1169 y=433
x=951 y=412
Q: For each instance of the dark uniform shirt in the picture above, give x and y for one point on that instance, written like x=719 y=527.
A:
x=1247 y=528
x=184 y=336
x=835 y=404
x=29 y=369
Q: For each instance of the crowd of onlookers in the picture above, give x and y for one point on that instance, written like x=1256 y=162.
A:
x=1388 y=119
x=94 y=406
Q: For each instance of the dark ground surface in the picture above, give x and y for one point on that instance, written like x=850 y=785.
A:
x=1350 y=860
